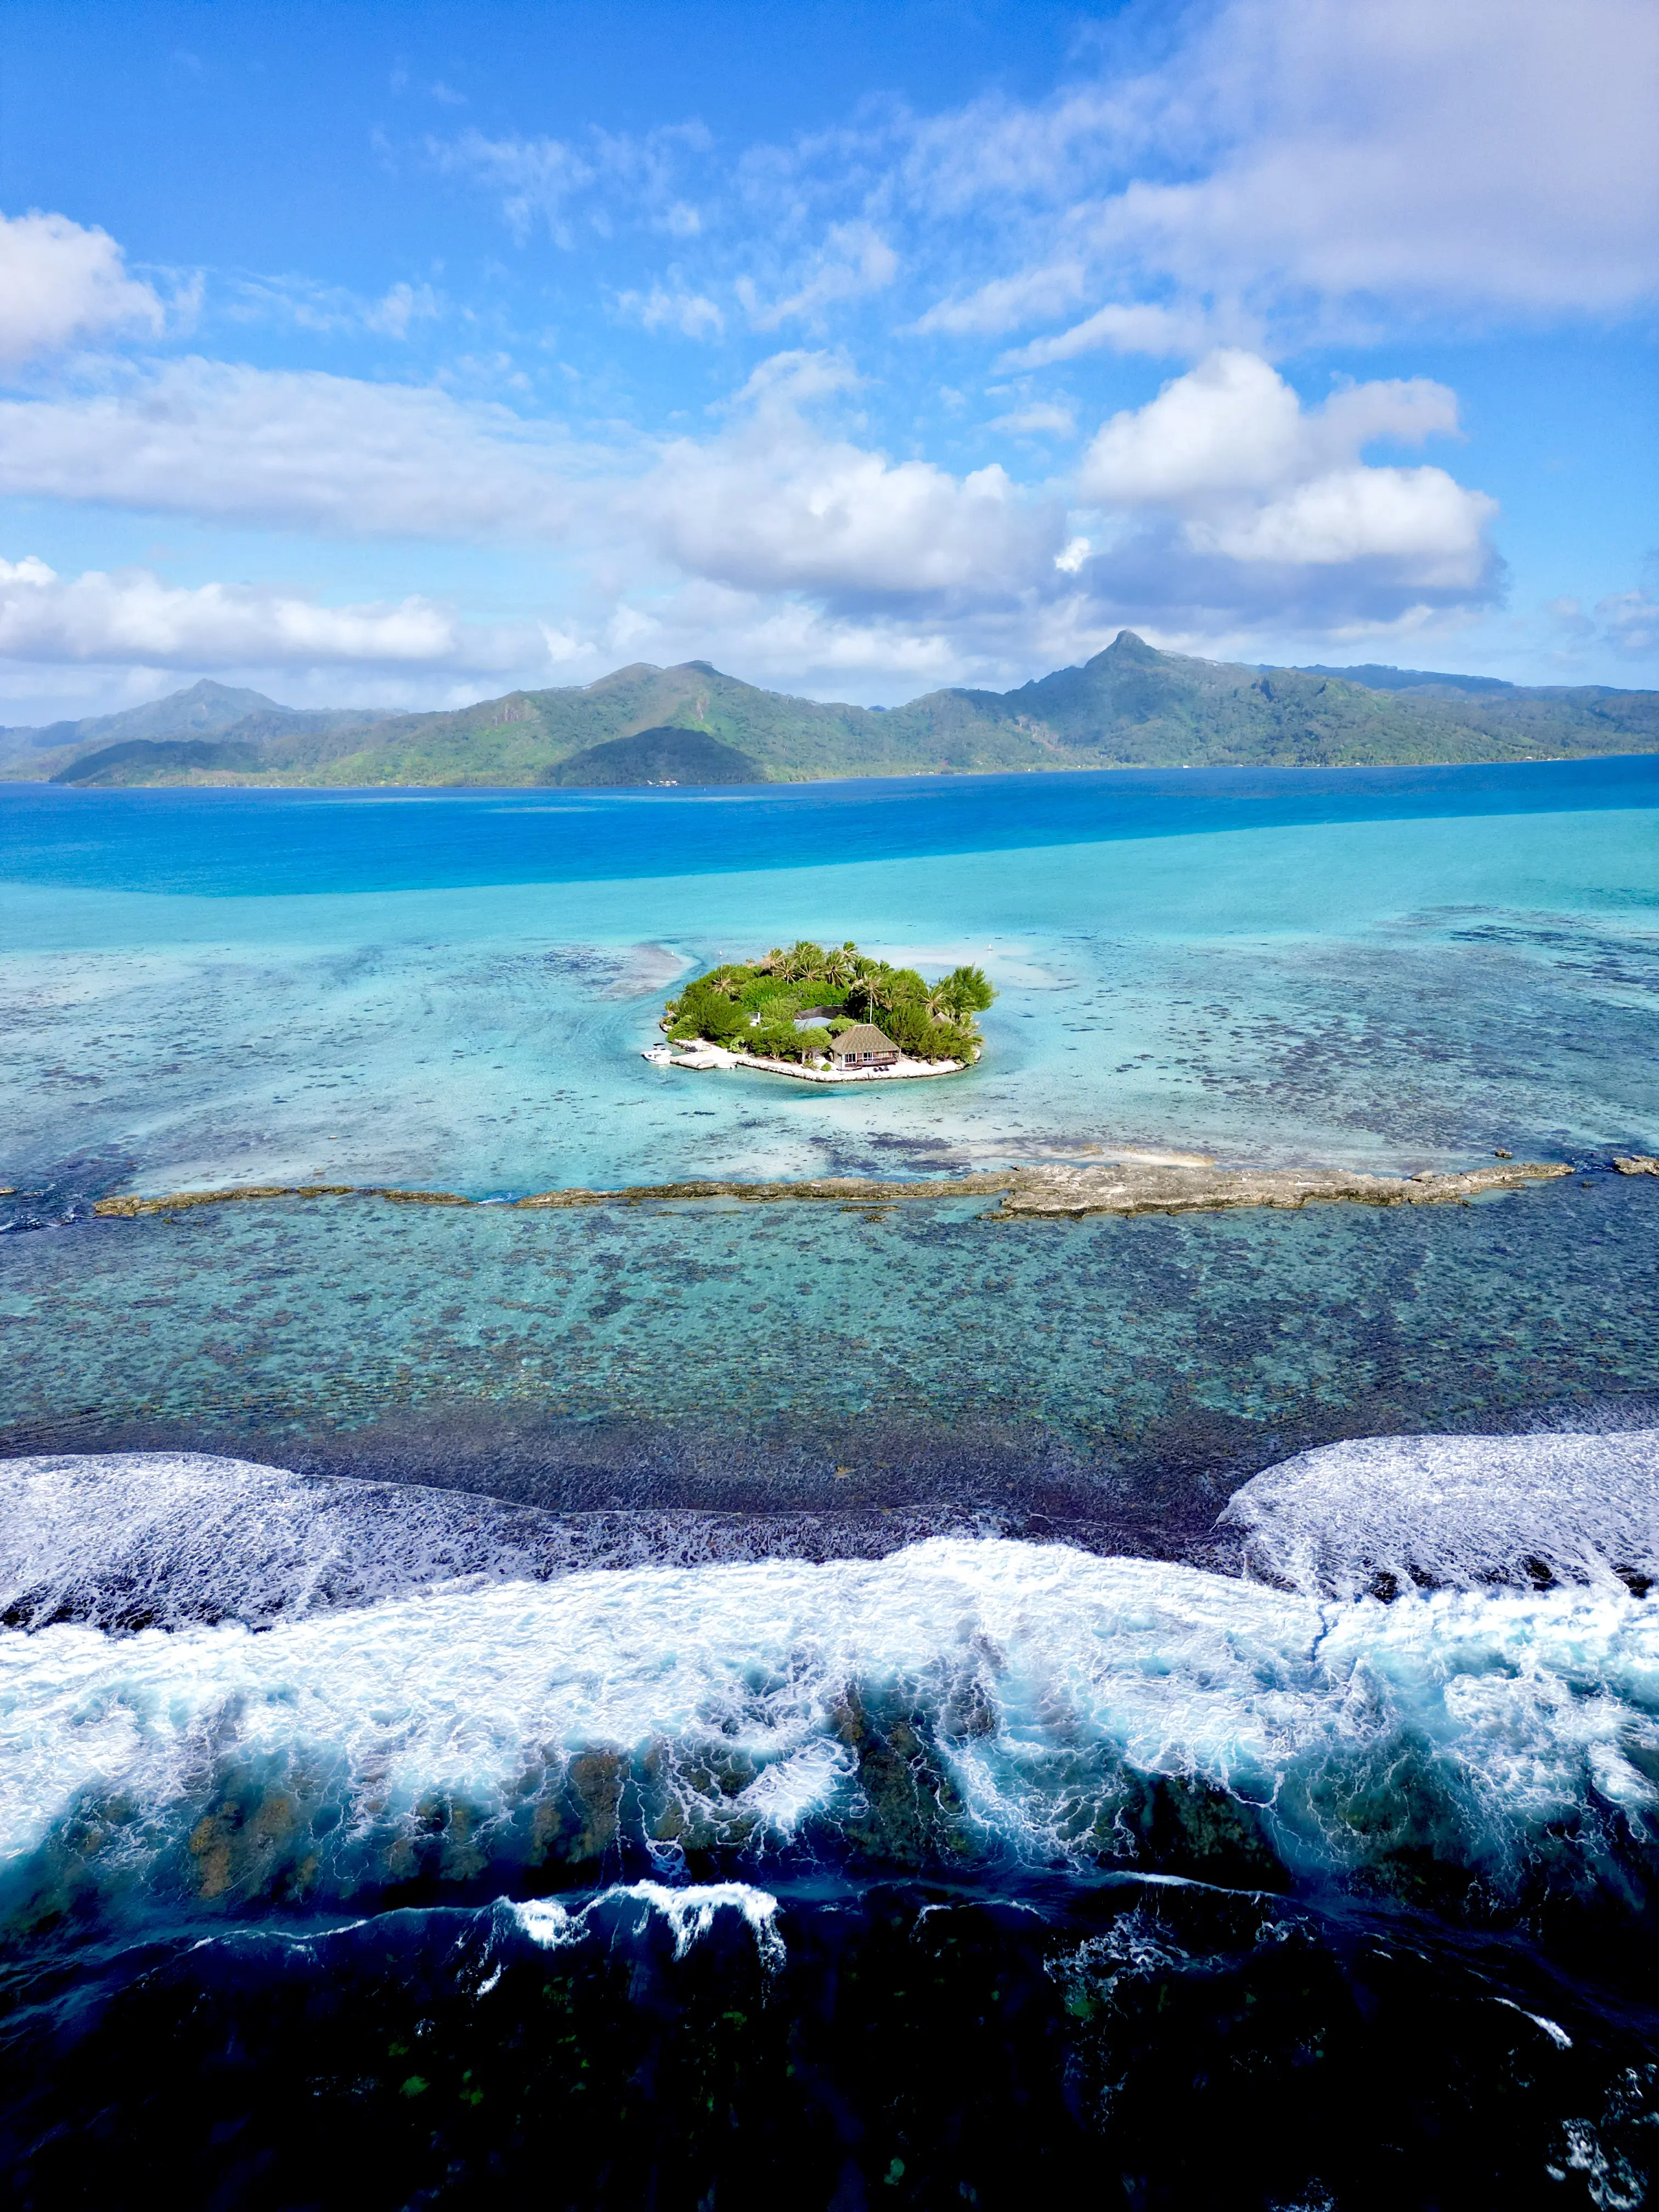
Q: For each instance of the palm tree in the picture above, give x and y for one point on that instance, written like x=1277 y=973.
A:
x=873 y=985
x=803 y=959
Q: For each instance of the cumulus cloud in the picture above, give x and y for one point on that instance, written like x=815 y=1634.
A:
x=61 y=284
x=1224 y=493
x=1247 y=472
x=776 y=503
x=134 y=615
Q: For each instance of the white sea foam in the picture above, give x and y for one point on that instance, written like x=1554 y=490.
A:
x=1001 y=1698
x=129 y=1539
x=689 y=1912
x=1455 y=1511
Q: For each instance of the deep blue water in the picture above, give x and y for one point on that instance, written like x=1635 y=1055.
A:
x=244 y=843
x=672 y=1706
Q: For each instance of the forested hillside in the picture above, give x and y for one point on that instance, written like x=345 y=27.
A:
x=1131 y=706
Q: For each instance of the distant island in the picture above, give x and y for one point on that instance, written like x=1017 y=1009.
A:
x=1130 y=707
x=837 y=1015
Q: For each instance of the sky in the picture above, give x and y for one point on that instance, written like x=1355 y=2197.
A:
x=407 y=355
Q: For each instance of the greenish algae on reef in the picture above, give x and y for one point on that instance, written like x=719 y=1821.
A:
x=1048 y=1192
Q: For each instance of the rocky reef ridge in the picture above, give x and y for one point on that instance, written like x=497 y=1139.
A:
x=1054 y=1191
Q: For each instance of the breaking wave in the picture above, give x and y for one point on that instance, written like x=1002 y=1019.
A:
x=689 y=1912
x=127 y=1541
x=1386 y=1513
x=958 y=1706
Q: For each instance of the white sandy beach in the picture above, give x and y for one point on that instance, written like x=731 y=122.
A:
x=702 y=1056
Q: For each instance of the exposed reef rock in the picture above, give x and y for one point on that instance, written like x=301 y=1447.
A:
x=1636 y=1164
x=1133 y=1186
x=1123 y=1186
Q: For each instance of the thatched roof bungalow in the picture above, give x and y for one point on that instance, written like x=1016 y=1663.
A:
x=863 y=1046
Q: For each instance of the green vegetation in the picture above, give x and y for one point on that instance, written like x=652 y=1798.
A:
x=665 y=756
x=767 y=1007
x=1130 y=707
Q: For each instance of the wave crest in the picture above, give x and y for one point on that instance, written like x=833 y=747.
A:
x=958 y=1705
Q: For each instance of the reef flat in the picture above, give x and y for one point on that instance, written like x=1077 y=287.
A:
x=1125 y=1187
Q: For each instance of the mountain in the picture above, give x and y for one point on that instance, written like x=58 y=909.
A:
x=1377 y=677
x=664 y=756
x=202 y=712
x=131 y=763
x=206 y=710
x=1131 y=706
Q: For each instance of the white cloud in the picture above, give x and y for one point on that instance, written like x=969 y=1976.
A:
x=537 y=178
x=691 y=313
x=61 y=284
x=854 y=261
x=1233 y=424
x=1499 y=152
x=1221 y=494
x=1421 y=519
x=1043 y=418
x=330 y=310
x=1631 y=620
x=776 y=504
x=1309 y=165
x=1006 y=302
x=541 y=180
x=135 y=617
x=297 y=449
x=1254 y=477
x=1160 y=332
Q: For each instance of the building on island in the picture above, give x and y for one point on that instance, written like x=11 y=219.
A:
x=864 y=1047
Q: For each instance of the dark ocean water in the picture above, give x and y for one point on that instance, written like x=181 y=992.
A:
x=672 y=1706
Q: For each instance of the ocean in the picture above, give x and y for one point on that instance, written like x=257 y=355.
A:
x=691 y=1702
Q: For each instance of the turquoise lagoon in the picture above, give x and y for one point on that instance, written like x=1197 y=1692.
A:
x=454 y=991
x=1391 y=969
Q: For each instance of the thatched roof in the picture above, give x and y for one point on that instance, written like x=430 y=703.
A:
x=865 y=1038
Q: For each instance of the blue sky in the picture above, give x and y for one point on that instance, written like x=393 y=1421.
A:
x=408 y=354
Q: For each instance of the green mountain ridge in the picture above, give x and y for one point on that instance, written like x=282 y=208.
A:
x=206 y=710
x=1130 y=706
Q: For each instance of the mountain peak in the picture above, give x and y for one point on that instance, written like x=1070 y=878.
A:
x=205 y=689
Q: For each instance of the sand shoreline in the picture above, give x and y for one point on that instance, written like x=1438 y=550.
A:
x=701 y=1057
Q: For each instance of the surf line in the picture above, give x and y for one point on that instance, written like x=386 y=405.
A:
x=1056 y=1192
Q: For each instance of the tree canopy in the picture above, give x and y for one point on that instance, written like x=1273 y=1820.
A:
x=792 y=1004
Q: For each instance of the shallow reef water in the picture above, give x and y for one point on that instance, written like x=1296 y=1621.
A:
x=1394 y=968
x=713 y=1704
x=1107 y=1379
